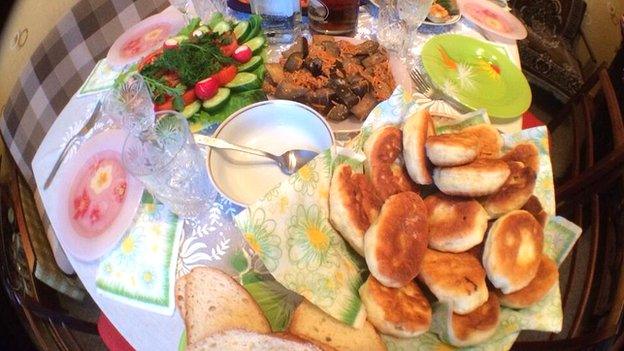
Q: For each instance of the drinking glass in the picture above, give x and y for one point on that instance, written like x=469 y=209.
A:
x=182 y=6
x=334 y=17
x=281 y=20
x=413 y=12
x=391 y=29
x=130 y=105
x=170 y=165
x=205 y=8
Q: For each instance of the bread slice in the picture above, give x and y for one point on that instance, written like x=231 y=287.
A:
x=243 y=340
x=180 y=295
x=216 y=303
x=414 y=136
x=309 y=322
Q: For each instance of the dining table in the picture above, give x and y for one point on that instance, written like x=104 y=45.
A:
x=207 y=240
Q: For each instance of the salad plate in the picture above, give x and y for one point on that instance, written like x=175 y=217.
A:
x=98 y=198
x=477 y=74
x=493 y=19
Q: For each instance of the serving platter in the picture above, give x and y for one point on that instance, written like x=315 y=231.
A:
x=477 y=74
x=98 y=198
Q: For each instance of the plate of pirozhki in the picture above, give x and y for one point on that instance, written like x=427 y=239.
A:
x=451 y=229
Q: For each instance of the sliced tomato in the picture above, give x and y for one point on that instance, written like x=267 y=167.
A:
x=228 y=50
x=171 y=78
x=226 y=74
x=149 y=59
x=188 y=97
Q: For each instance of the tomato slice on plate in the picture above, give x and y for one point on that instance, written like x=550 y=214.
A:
x=226 y=74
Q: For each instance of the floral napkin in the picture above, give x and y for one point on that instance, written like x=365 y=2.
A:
x=101 y=78
x=289 y=230
x=141 y=271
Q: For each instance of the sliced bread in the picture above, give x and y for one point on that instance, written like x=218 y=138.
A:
x=309 y=322
x=216 y=303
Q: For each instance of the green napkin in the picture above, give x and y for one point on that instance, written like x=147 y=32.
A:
x=141 y=271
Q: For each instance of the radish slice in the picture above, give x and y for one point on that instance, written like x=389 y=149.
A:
x=170 y=44
x=242 y=54
x=207 y=88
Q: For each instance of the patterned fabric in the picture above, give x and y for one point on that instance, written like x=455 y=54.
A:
x=56 y=70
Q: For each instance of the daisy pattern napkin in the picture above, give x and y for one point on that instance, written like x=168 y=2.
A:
x=141 y=271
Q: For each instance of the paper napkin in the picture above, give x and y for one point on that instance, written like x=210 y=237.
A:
x=141 y=271
x=101 y=78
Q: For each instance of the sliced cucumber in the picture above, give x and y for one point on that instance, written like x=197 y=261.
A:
x=242 y=30
x=244 y=81
x=222 y=27
x=181 y=38
x=256 y=44
x=191 y=109
x=250 y=65
x=216 y=18
x=255 y=22
x=217 y=101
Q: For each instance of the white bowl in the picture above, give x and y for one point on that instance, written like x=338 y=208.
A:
x=275 y=126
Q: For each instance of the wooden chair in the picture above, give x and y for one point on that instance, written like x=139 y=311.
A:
x=50 y=326
x=592 y=196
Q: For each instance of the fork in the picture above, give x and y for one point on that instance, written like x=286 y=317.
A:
x=423 y=86
x=81 y=133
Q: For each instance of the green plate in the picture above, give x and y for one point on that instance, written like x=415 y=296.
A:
x=477 y=74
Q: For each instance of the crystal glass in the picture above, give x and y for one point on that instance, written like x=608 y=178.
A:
x=205 y=8
x=182 y=6
x=130 y=105
x=170 y=165
x=391 y=29
x=413 y=12
x=281 y=20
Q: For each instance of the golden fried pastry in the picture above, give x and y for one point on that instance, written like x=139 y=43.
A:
x=457 y=278
x=401 y=312
x=479 y=178
x=383 y=150
x=534 y=207
x=513 y=250
x=546 y=277
x=394 y=245
x=475 y=327
x=415 y=132
x=451 y=149
x=490 y=140
x=353 y=205
x=514 y=193
x=526 y=153
x=455 y=224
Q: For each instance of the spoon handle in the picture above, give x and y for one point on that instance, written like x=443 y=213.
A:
x=222 y=144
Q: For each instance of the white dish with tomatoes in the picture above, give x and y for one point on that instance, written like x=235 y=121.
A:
x=208 y=70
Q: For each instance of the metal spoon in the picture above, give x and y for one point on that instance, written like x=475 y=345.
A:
x=289 y=162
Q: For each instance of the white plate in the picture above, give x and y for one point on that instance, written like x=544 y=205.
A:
x=488 y=16
x=91 y=248
x=274 y=126
x=454 y=19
